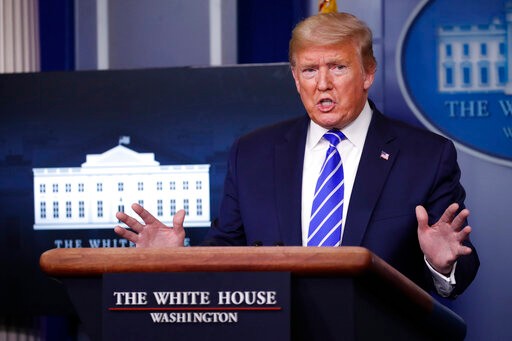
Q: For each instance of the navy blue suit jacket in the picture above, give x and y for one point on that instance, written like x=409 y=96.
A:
x=261 y=204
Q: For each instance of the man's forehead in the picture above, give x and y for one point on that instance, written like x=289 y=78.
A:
x=341 y=48
x=325 y=54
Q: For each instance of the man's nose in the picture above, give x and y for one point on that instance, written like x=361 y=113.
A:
x=324 y=81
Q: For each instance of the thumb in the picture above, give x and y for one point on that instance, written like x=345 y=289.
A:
x=422 y=217
x=178 y=219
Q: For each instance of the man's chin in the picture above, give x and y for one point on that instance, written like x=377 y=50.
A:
x=328 y=121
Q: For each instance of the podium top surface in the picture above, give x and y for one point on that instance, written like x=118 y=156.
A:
x=297 y=260
x=301 y=261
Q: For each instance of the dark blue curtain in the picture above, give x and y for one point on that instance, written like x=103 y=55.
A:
x=264 y=29
x=57 y=34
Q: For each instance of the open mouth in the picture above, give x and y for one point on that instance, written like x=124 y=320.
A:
x=325 y=104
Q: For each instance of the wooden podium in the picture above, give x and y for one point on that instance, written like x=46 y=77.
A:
x=344 y=293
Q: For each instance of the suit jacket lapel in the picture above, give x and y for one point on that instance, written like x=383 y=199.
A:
x=289 y=159
x=371 y=177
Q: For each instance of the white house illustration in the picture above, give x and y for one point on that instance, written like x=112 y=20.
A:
x=89 y=196
x=474 y=58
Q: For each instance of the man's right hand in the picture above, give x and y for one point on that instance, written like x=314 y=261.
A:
x=154 y=233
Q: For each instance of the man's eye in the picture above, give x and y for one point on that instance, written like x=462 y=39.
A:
x=308 y=73
x=339 y=68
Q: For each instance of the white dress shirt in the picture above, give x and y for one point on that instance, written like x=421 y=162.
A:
x=350 y=150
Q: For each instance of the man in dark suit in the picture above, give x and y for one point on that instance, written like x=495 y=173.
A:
x=400 y=194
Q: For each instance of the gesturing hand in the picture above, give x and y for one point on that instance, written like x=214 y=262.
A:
x=441 y=243
x=154 y=233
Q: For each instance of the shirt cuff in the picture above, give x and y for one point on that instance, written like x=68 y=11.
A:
x=444 y=284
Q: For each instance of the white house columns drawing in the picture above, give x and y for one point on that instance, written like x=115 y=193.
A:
x=89 y=196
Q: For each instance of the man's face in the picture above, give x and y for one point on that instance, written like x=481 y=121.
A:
x=332 y=83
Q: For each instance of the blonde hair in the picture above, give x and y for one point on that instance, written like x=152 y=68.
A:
x=331 y=29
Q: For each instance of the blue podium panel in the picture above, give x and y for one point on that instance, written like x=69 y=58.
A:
x=196 y=306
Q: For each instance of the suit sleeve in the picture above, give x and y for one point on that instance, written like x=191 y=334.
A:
x=447 y=190
x=227 y=229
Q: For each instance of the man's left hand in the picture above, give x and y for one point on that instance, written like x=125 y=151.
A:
x=441 y=243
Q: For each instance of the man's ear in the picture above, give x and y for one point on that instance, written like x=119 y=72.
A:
x=368 y=79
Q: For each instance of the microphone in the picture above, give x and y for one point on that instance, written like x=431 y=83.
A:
x=279 y=243
x=257 y=243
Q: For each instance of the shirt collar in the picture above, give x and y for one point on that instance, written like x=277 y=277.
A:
x=355 y=131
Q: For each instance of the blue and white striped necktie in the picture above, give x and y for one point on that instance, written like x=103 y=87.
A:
x=325 y=225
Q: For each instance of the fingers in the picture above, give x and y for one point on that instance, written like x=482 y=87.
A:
x=463 y=234
x=153 y=232
x=131 y=222
x=464 y=250
x=448 y=217
x=124 y=233
x=449 y=213
x=144 y=214
x=455 y=221
x=460 y=219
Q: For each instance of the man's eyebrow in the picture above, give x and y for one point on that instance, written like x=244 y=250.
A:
x=336 y=62
x=308 y=65
x=331 y=62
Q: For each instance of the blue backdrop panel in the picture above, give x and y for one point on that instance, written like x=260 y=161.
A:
x=182 y=115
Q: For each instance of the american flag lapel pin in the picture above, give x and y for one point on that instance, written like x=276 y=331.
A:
x=384 y=155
